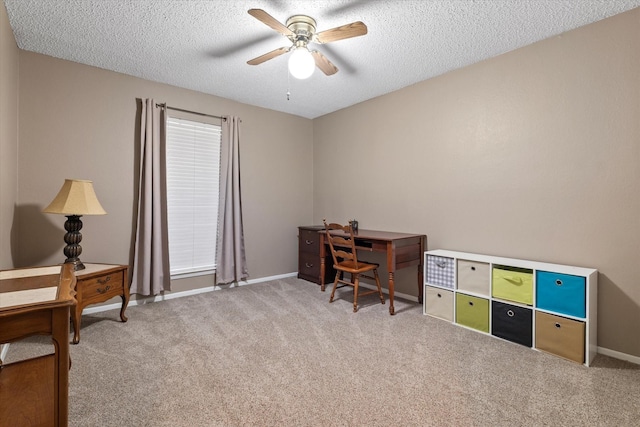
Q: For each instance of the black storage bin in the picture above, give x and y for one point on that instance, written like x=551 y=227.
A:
x=512 y=323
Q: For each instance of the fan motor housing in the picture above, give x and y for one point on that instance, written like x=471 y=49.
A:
x=302 y=26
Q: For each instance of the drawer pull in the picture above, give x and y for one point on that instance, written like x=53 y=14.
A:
x=558 y=325
x=510 y=313
x=513 y=279
x=102 y=291
x=308 y=265
x=105 y=280
x=439 y=296
x=473 y=268
x=441 y=264
x=559 y=282
x=309 y=242
x=471 y=303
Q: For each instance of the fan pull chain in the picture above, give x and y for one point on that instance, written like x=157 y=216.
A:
x=288 y=93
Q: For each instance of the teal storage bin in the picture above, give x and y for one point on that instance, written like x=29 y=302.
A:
x=561 y=293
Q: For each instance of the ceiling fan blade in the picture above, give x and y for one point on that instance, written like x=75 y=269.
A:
x=267 y=56
x=347 y=31
x=323 y=63
x=269 y=20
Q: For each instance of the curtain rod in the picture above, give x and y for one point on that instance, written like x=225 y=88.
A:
x=191 y=112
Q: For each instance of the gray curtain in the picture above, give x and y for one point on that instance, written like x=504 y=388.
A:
x=151 y=273
x=231 y=263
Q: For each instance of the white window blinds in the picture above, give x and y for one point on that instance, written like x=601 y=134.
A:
x=193 y=173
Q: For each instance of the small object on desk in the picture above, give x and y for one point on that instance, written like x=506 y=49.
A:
x=99 y=283
x=354 y=226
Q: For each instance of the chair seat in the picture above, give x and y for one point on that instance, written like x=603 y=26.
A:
x=349 y=266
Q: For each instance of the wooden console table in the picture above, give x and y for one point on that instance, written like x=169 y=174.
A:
x=402 y=249
x=36 y=301
x=99 y=283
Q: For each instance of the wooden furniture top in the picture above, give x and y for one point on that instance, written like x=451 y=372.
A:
x=377 y=235
x=378 y=241
x=29 y=289
x=97 y=268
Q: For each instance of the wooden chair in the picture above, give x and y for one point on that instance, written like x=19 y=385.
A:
x=345 y=260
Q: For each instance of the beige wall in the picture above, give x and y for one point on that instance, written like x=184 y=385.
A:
x=8 y=138
x=534 y=154
x=78 y=121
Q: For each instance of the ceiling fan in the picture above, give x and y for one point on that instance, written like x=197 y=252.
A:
x=301 y=30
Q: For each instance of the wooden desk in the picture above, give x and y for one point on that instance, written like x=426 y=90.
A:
x=36 y=301
x=99 y=283
x=402 y=249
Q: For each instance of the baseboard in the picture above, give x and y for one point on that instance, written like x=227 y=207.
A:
x=172 y=295
x=618 y=355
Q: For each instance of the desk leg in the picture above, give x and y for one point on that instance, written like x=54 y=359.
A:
x=391 y=268
x=421 y=270
x=420 y=284
x=322 y=267
x=322 y=261
x=391 y=285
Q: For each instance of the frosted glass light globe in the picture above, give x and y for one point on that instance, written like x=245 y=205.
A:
x=301 y=63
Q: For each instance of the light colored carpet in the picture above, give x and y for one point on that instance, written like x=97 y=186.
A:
x=278 y=354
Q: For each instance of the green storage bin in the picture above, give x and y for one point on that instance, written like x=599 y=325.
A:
x=472 y=312
x=512 y=284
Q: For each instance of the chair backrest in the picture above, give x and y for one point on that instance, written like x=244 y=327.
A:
x=341 y=242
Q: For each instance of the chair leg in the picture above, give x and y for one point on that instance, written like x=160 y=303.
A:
x=356 y=282
x=335 y=285
x=375 y=273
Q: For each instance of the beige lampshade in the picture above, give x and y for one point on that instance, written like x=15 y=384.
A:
x=76 y=197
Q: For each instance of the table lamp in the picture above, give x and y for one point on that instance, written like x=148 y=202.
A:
x=75 y=198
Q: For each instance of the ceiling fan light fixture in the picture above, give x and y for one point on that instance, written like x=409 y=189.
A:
x=301 y=63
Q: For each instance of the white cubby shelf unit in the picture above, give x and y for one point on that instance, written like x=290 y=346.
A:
x=544 y=306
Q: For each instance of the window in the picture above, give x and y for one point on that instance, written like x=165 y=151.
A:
x=193 y=172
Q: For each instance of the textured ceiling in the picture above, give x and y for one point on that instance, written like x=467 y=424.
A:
x=204 y=45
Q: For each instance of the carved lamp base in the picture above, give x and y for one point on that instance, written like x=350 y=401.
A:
x=72 y=238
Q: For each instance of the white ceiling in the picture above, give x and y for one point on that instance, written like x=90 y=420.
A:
x=204 y=45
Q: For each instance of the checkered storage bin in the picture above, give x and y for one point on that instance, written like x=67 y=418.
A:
x=440 y=271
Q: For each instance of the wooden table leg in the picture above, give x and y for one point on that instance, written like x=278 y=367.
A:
x=391 y=285
x=420 y=284
x=322 y=261
x=391 y=268
x=75 y=319
x=125 y=301
x=59 y=337
x=421 y=270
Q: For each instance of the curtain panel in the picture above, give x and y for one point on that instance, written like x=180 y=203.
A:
x=231 y=263
x=151 y=274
